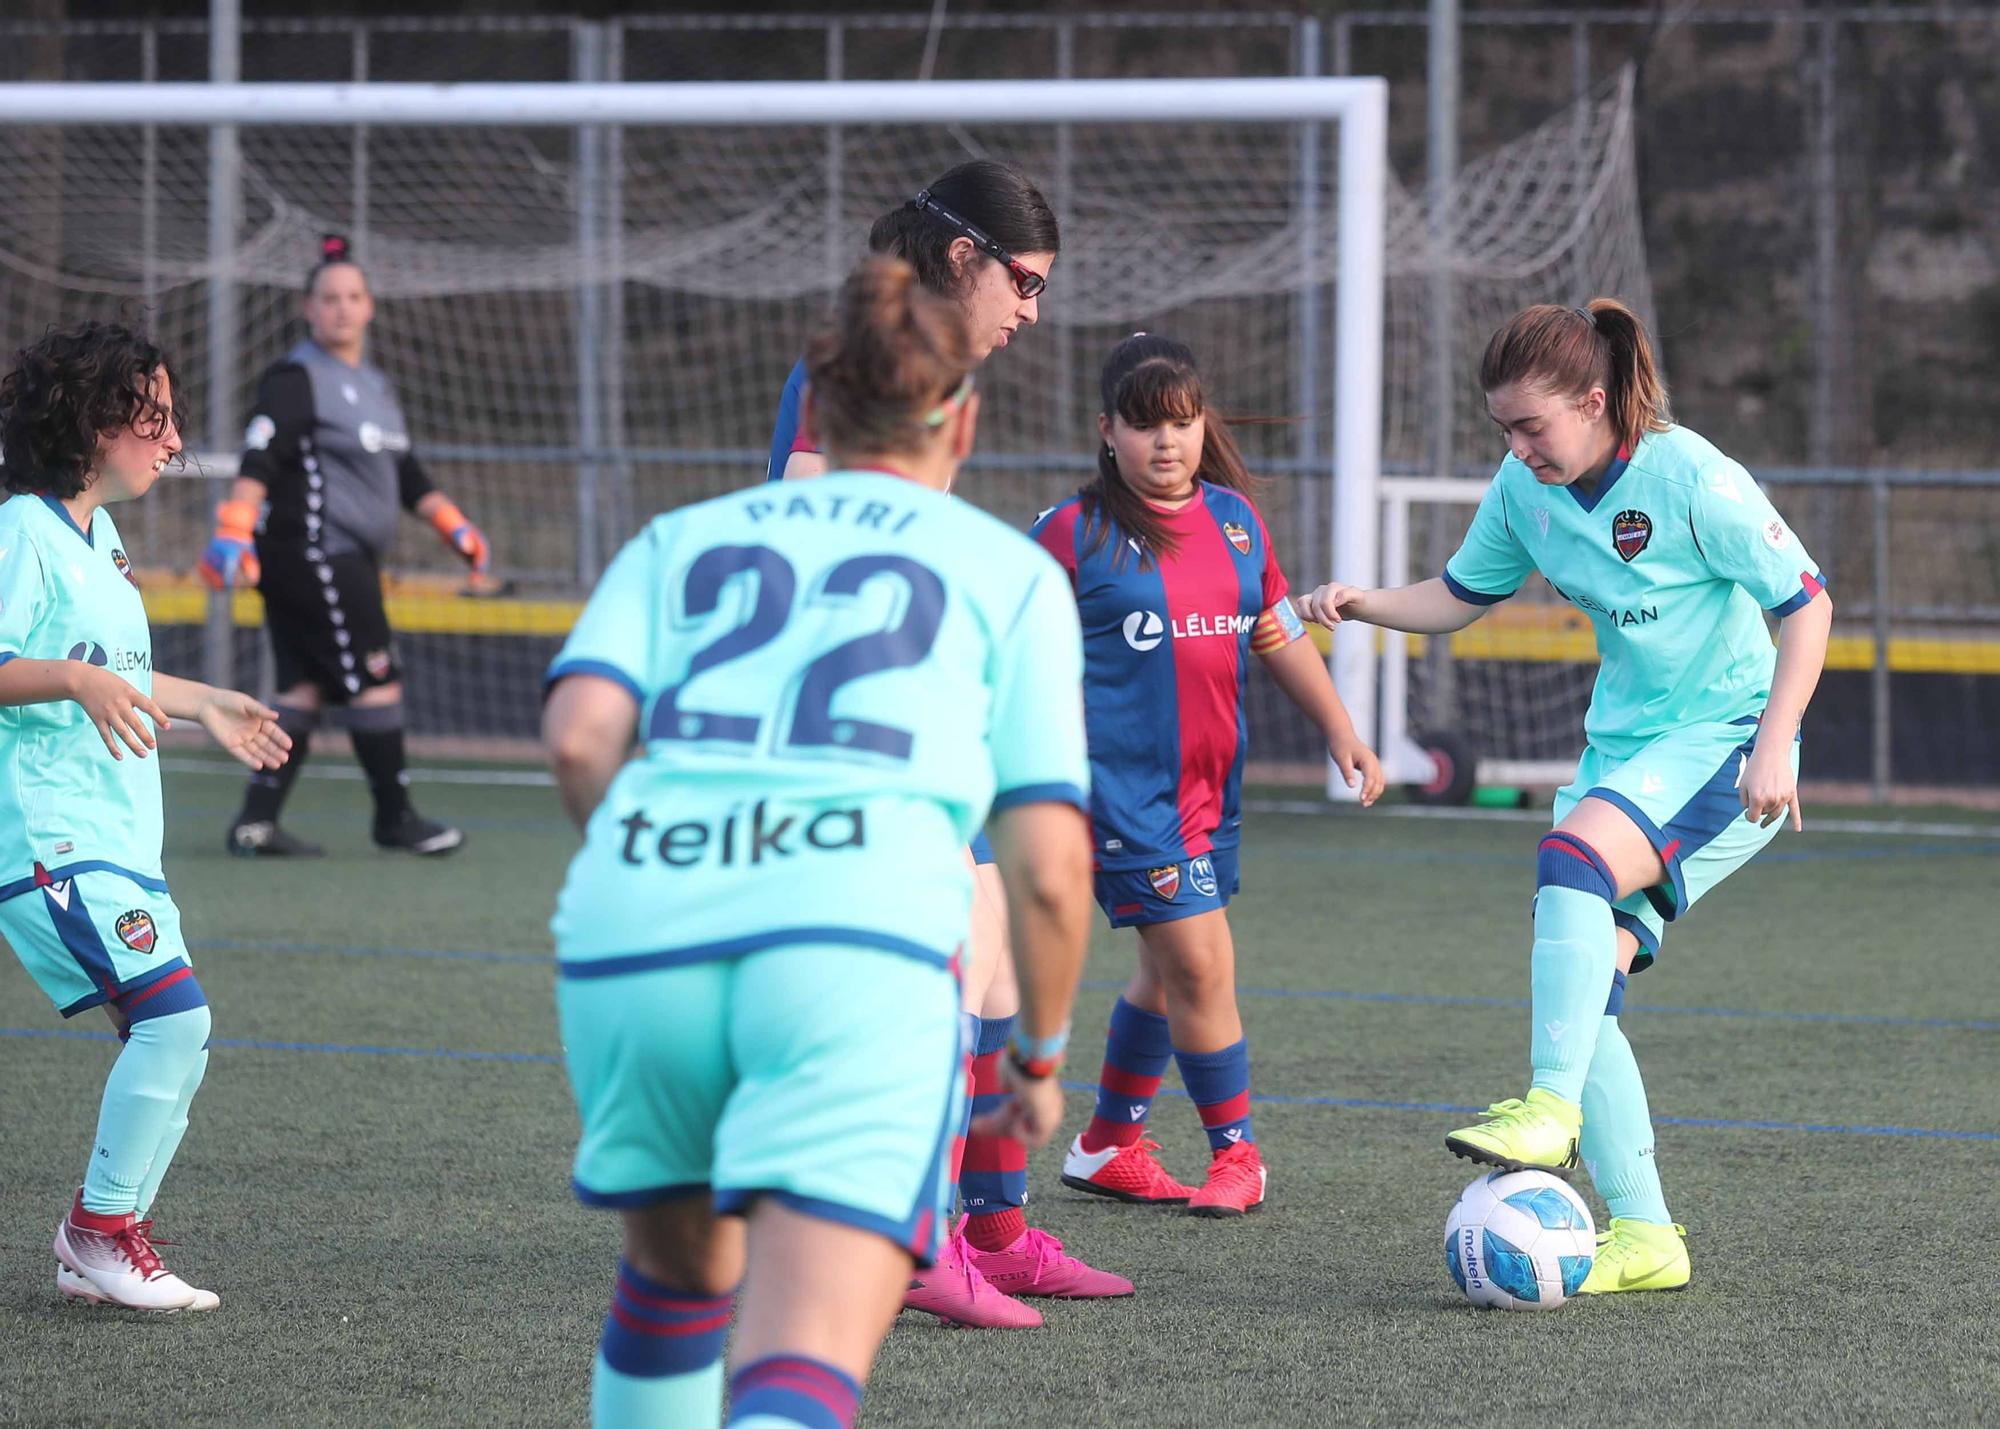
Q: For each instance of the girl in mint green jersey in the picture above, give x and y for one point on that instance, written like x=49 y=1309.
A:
x=87 y=420
x=778 y=721
x=1677 y=557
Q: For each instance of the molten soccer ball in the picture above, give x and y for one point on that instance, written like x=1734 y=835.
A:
x=1519 y=1240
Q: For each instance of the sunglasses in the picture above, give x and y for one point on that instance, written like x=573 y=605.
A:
x=1027 y=282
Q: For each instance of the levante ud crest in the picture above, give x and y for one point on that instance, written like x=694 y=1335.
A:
x=1166 y=881
x=1630 y=532
x=135 y=930
x=1238 y=537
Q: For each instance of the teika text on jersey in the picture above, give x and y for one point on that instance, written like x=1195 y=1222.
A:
x=741 y=838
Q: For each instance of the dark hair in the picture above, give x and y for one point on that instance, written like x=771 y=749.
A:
x=1148 y=380
x=67 y=391
x=995 y=197
x=333 y=251
x=888 y=354
x=1568 y=351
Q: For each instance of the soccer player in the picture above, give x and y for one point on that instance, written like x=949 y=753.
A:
x=87 y=420
x=1177 y=586
x=758 y=940
x=328 y=448
x=1691 y=763
x=983 y=236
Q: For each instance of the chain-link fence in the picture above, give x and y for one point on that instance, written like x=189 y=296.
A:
x=1818 y=195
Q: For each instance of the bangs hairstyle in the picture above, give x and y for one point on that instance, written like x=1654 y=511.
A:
x=1568 y=351
x=70 y=390
x=997 y=198
x=1148 y=380
x=888 y=355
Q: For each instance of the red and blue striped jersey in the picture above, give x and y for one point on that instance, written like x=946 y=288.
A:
x=785 y=435
x=1166 y=651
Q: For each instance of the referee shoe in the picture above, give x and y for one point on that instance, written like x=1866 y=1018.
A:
x=412 y=833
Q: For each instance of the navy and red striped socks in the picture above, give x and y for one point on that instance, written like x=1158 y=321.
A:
x=993 y=1181
x=660 y=1358
x=1219 y=1084
x=1136 y=1053
x=791 y=1389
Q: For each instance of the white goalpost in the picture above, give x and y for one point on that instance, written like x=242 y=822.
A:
x=1097 y=145
x=589 y=296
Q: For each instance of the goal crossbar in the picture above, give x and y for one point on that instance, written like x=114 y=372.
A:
x=1359 y=107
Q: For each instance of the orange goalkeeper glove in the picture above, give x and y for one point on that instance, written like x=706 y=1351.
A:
x=231 y=557
x=461 y=535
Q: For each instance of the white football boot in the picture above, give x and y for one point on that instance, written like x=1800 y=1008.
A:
x=110 y=1260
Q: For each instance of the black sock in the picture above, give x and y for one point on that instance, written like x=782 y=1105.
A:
x=269 y=787
x=377 y=732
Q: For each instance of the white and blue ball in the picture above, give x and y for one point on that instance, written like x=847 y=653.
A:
x=1519 y=1240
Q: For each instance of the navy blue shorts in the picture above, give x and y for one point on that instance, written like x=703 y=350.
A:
x=1135 y=896
x=982 y=851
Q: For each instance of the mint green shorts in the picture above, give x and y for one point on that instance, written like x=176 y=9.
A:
x=827 y=1076
x=99 y=935
x=1681 y=792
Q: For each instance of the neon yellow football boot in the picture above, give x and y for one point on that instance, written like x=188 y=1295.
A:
x=1535 y=1134
x=1638 y=1255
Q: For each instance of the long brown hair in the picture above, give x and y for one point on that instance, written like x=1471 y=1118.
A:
x=889 y=353
x=1148 y=380
x=1568 y=351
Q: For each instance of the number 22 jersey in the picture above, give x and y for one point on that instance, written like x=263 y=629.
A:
x=836 y=680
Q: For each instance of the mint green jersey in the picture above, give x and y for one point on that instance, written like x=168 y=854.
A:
x=64 y=801
x=836 y=680
x=1675 y=557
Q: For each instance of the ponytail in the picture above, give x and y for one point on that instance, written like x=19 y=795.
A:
x=1568 y=351
x=885 y=359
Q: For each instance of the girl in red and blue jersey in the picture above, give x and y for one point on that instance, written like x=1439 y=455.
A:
x=1177 y=586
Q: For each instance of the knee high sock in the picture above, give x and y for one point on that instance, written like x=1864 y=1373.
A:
x=1136 y=1053
x=993 y=1184
x=143 y=1092
x=269 y=788
x=792 y=1392
x=1618 y=1126
x=177 y=1125
x=1219 y=1083
x=660 y=1358
x=1575 y=953
x=377 y=733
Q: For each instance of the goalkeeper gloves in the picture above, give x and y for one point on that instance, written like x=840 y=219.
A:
x=461 y=535
x=231 y=557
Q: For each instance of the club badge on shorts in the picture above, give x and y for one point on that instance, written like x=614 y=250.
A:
x=1238 y=537
x=377 y=662
x=1630 y=533
x=1166 y=881
x=135 y=930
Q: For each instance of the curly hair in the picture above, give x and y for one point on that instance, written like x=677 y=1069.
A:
x=65 y=393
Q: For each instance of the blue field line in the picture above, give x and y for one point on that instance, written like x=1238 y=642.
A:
x=261 y=1044
x=1413 y=999
x=1422 y=999
x=346 y=950
x=1708 y=1123
x=545 y=1059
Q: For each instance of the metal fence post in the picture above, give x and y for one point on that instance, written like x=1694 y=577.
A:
x=1306 y=379
x=587 y=63
x=225 y=66
x=1879 y=731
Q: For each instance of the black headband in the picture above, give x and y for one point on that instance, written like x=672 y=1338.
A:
x=1588 y=316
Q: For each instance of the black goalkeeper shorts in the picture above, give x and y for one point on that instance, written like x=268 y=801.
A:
x=327 y=622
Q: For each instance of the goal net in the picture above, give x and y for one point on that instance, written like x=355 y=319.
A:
x=590 y=323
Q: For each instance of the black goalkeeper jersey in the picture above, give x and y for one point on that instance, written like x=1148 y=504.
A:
x=330 y=445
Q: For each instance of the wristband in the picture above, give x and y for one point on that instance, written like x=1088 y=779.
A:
x=1037 y=1056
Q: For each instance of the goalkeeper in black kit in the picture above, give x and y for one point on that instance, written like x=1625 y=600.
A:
x=329 y=451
